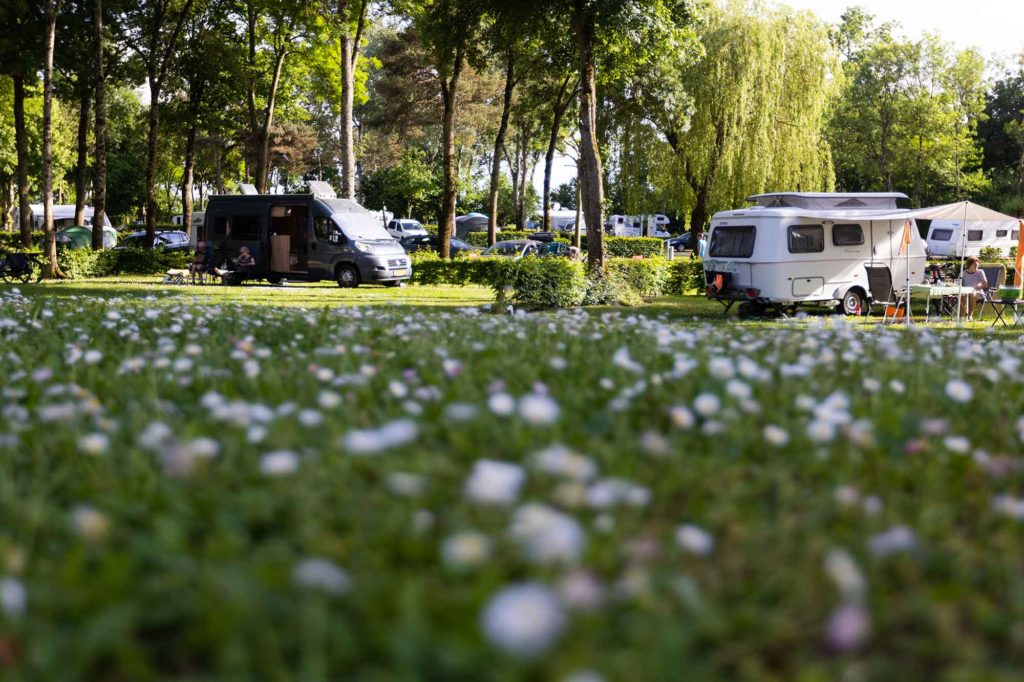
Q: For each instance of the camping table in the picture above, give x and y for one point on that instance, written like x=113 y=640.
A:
x=999 y=306
x=930 y=291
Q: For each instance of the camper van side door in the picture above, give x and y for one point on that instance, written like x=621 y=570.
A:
x=327 y=242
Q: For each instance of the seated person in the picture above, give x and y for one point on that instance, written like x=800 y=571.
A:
x=244 y=262
x=974 y=278
x=199 y=259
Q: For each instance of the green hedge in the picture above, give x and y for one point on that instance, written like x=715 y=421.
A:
x=539 y=283
x=429 y=268
x=685 y=276
x=628 y=247
x=647 y=278
x=480 y=238
x=81 y=263
x=12 y=240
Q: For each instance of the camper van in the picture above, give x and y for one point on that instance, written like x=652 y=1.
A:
x=957 y=238
x=63 y=216
x=793 y=249
x=305 y=237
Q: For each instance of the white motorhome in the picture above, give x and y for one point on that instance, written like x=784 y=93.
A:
x=808 y=248
x=959 y=238
x=63 y=216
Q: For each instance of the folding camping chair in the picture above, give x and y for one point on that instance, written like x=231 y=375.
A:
x=995 y=275
x=882 y=293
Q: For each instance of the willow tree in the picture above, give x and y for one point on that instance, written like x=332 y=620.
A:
x=749 y=115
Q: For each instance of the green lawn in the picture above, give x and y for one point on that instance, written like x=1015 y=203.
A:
x=196 y=488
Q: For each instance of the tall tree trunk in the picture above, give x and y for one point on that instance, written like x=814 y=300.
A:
x=52 y=269
x=152 y=207
x=82 y=160
x=348 y=151
x=263 y=158
x=99 y=190
x=591 y=185
x=187 y=178
x=499 y=146
x=579 y=207
x=558 y=111
x=21 y=145
x=219 y=179
x=449 y=95
x=524 y=156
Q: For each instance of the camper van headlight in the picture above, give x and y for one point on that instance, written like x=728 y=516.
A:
x=366 y=247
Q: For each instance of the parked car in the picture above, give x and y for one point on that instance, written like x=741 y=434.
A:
x=683 y=242
x=431 y=242
x=402 y=228
x=560 y=250
x=171 y=240
x=519 y=248
x=546 y=237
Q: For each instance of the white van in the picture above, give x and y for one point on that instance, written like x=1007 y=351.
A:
x=957 y=238
x=400 y=228
x=809 y=248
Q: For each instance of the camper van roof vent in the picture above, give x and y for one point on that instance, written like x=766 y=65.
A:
x=248 y=188
x=322 y=190
x=824 y=201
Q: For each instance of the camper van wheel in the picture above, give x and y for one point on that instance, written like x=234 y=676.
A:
x=854 y=303
x=348 y=276
x=273 y=279
x=748 y=309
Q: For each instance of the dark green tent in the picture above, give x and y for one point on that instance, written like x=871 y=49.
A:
x=80 y=237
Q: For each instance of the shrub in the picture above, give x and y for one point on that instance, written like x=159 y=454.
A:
x=539 y=283
x=80 y=263
x=627 y=247
x=685 y=276
x=12 y=240
x=608 y=287
x=990 y=254
x=142 y=261
x=431 y=229
x=480 y=238
x=429 y=268
x=647 y=277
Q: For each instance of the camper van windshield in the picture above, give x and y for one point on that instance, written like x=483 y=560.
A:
x=732 y=242
x=942 y=235
x=361 y=226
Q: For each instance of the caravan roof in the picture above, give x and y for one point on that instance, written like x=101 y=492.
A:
x=827 y=200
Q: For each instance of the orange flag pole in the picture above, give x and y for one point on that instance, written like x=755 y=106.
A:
x=1017 y=280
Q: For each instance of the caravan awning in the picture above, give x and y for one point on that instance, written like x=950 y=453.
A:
x=964 y=210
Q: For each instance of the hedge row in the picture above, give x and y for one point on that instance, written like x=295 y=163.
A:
x=79 y=263
x=551 y=282
x=614 y=247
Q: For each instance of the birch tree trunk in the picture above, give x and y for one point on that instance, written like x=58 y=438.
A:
x=348 y=151
x=99 y=189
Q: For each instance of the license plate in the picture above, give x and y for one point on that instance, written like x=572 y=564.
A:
x=400 y=273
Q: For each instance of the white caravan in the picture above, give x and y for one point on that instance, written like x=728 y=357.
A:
x=634 y=226
x=63 y=216
x=958 y=238
x=809 y=248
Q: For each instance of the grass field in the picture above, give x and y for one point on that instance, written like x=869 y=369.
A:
x=193 y=487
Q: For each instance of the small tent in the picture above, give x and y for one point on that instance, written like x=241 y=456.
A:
x=80 y=237
x=472 y=222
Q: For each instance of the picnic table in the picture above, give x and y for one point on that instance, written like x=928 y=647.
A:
x=941 y=292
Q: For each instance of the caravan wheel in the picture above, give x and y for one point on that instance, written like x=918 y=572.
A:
x=853 y=303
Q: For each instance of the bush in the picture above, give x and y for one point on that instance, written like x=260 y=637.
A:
x=608 y=287
x=431 y=229
x=80 y=263
x=539 y=283
x=628 y=247
x=685 y=276
x=12 y=240
x=480 y=238
x=990 y=254
x=647 y=278
x=429 y=268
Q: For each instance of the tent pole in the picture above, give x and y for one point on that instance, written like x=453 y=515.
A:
x=963 y=259
x=1017 y=277
x=907 y=240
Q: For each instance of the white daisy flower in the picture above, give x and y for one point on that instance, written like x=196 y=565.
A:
x=524 y=620
x=493 y=482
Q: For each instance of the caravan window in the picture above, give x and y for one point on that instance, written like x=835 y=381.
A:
x=806 y=239
x=733 y=242
x=847 y=235
x=220 y=226
x=942 y=235
x=1001 y=234
x=1015 y=235
x=975 y=235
